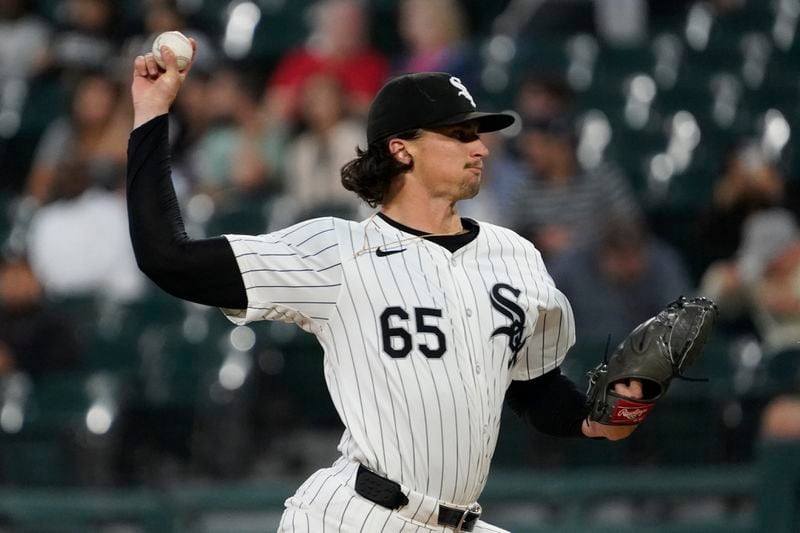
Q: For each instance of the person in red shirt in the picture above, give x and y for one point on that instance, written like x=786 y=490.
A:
x=338 y=46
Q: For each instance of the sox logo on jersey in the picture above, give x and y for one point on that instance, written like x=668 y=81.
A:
x=515 y=313
x=420 y=346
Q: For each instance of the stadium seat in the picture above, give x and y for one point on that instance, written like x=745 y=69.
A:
x=302 y=370
x=5 y=204
x=175 y=370
x=617 y=63
x=68 y=424
x=782 y=372
x=282 y=26
x=546 y=56
x=244 y=217
x=53 y=511
x=780 y=466
x=34 y=461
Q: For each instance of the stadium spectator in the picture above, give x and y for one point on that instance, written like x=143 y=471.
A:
x=23 y=39
x=238 y=155
x=749 y=183
x=316 y=156
x=35 y=337
x=780 y=420
x=562 y=205
x=543 y=95
x=762 y=279
x=79 y=244
x=94 y=131
x=619 y=281
x=337 y=45
x=434 y=33
x=503 y=177
x=190 y=120
x=87 y=36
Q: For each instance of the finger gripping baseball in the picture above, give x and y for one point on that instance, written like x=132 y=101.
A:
x=655 y=352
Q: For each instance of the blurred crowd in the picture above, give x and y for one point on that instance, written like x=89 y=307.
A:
x=258 y=141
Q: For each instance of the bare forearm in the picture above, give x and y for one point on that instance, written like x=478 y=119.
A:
x=595 y=430
x=143 y=115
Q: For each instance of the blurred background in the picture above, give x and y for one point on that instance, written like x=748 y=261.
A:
x=656 y=155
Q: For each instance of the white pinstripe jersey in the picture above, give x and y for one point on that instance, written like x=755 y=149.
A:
x=420 y=343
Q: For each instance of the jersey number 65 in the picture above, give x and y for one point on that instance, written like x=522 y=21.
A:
x=398 y=342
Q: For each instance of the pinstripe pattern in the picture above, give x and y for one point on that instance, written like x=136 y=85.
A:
x=429 y=423
x=328 y=503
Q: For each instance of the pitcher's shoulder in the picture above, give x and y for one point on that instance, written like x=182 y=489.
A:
x=493 y=231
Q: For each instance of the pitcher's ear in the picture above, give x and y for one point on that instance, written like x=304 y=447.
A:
x=398 y=149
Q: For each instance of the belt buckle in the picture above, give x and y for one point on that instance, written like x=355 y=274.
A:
x=475 y=510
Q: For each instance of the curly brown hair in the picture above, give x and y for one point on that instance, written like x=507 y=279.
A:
x=370 y=174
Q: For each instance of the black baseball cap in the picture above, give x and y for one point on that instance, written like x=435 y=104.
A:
x=426 y=100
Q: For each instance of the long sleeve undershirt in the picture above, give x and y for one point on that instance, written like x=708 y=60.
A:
x=205 y=271
x=200 y=270
x=551 y=403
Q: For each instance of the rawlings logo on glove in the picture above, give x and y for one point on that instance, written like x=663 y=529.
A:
x=655 y=352
x=630 y=411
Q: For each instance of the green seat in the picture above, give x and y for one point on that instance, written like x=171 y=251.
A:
x=692 y=189
x=540 y=56
x=46 y=99
x=782 y=372
x=302 y=371
x=59 y=402
x=779 y=497
x=5 y=202
x=779 y=89
x=754 y=16
x=633 y=149
x=33 y=461
x=82 y=309
x=62 y=411
x=257 y=506
x=519 y=444
x=156 y=307
x=680 y=418
x=113 y=339
x=51 y=511
x=617 y=63
x=244 y=217
x=716 y=365
x=282 y=27
x=174 y=369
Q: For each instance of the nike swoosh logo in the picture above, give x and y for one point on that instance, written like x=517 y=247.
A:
x=383 y=253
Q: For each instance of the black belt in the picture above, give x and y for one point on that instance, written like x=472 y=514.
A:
x=387 y=493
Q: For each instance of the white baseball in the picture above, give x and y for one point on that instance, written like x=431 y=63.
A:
x=178 y=43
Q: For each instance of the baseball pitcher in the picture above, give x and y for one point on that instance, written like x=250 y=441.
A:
x=429 y=321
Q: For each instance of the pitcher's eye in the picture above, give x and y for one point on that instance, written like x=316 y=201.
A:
x=468 y=136
x=462 y=134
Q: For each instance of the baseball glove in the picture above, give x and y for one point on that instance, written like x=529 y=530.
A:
x=655 y=352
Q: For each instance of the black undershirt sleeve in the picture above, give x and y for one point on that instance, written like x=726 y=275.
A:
x=204 y=270
x=550 y=403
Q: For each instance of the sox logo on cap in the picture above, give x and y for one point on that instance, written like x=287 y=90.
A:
x=455 y=82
